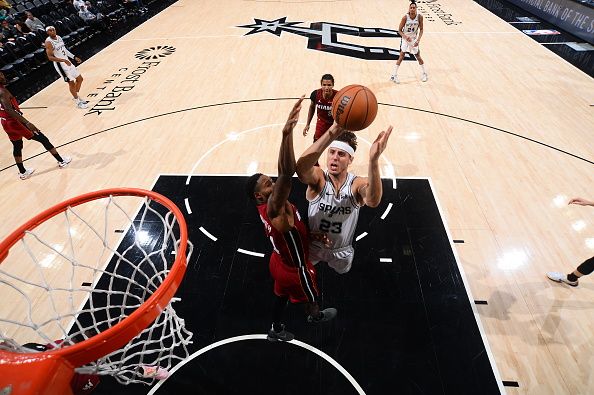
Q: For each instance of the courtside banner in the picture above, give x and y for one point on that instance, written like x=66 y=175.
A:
x=573 y=17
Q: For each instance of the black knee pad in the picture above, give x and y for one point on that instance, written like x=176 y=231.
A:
x=17 y=148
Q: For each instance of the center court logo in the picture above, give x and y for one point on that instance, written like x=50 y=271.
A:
x=126 y=78
x=160 y=51
x=323 y=36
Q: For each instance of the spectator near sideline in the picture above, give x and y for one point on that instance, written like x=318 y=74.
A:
x=78 y=4
x=22 y=27
x=33 y=22
x=8 y=31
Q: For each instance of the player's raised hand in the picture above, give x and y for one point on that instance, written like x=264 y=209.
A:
x=293 y=117
x=335 y=130
x=581 y=202
x=305 y=130
x=380 y=143
x=321 y=237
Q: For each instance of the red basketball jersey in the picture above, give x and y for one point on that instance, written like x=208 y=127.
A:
x=15 y=105
x=323 y=106
x=293 y=246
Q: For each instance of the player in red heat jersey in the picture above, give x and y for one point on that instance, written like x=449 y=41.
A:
x=294 y=275
x=321 y=101
x=17 y=127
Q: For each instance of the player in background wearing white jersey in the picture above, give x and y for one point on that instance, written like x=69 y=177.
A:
x=335 y=195
x=411 y=30
x=58 y=53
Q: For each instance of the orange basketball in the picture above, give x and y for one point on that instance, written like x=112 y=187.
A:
x=354 y=107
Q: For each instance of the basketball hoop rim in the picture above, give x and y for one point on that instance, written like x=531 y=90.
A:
x=116 y=336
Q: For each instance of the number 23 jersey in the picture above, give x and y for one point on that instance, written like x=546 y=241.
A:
x=334 y=213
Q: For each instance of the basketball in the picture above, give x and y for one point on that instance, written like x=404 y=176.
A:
x=354 y=107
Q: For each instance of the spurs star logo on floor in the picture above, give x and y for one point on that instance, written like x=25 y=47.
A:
x=323 y=36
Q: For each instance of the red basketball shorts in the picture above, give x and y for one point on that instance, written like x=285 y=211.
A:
x=288 y=281
x=15 y=129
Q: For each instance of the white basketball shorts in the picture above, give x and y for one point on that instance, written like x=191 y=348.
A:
x=68 y=73
x=405 y=46
x=339 y=259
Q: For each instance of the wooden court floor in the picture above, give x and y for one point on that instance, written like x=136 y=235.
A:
x=504 y=129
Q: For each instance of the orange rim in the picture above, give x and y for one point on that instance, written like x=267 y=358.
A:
x=116 y=336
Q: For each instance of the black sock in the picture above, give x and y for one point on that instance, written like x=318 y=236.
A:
x=21 y=167
x=277 y=326
x=58 y=157
x=572 y=277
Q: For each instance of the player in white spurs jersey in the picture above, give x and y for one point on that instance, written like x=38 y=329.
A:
x=411 y=30
x=336 y=195
x=60 y=56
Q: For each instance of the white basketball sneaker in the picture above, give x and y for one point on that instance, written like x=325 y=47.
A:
x=26 y=174
x=424 y=77
x=559 y=277
x=394 y=79
x=65 y=161
x=81 y=103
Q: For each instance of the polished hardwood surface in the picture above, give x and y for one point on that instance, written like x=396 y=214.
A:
x=520 y=145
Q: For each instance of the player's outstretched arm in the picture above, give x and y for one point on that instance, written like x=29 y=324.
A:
x=310 y=113
x=581 y=202
x=370 y=191
x=286 y=165
x=307 y=170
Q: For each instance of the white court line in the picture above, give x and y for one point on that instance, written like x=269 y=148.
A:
x=385 y=214
x=385 y=259
x=252 y=253
x=187 y=203
x=362 y=235
x=235 y=136
x=208 y=234
x=468 y=293
x=180 y=37
x=298 y=343
x=519 y=23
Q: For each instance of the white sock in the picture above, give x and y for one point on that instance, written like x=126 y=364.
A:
x=423 y=68
x=396 y=69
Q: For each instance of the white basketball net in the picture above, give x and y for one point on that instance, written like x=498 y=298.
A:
x=84 y=271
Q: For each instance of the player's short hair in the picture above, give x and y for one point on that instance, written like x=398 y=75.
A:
x=327 y=77
x=413 y=2
x=250 y=185
x=350 y=138
x=48 y=28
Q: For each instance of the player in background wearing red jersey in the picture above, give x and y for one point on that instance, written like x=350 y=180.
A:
x=321 y=100
x=17 y=127
x=294 y=275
